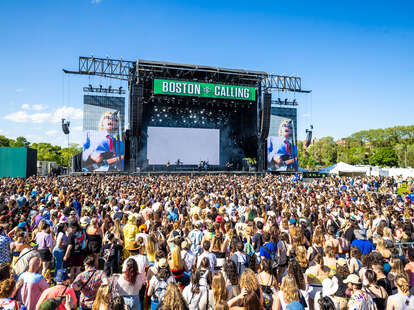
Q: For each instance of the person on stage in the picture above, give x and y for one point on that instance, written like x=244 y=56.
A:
x=281 y=152
x=103 y=150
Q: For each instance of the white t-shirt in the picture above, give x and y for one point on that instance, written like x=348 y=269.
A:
x=142 y=262
x=189 y=258
x=196 y=301
x=125 y=288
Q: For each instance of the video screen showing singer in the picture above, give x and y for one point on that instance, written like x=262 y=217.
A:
x=281 y=151
x=103 y=149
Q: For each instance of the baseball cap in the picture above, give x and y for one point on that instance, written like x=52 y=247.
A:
x=353 y=278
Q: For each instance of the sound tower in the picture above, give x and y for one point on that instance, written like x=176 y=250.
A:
x=265 y=117
x=136 y=107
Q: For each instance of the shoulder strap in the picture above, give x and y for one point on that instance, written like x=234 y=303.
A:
x=84 y=284
x=32 y=249
x=407 y=302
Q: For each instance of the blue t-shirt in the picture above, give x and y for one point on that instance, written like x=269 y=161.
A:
x=365 y=246
x=270 y=249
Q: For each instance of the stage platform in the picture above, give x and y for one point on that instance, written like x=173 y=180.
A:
x=181 y=173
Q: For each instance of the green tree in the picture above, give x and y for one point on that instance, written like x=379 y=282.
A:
x=20 y=142
x=4 y=141
x=68 y=152
x=384 y=156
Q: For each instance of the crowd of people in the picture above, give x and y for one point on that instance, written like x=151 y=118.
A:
x=206 y=242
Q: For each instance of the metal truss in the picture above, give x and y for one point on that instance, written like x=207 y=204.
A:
x=108 y=90
x=285 y=102
x=283 y=83
x=111 y=68
x=123 y=70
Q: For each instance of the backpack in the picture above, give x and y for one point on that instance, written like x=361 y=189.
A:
x=80 y=242
x=161 y=289
x=268 y=292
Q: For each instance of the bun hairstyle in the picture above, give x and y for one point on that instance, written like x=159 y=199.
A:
x=402 y=284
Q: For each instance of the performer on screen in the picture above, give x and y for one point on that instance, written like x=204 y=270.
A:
x=281 y=152
x=103 y=150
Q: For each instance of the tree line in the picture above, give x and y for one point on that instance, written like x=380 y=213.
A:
x=45 y=151
x=388 y=147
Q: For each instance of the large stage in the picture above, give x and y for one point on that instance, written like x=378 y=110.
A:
x=172 y=173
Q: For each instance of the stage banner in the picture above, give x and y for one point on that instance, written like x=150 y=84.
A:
x=282 y=153
x=196 y=89
x=103 y=124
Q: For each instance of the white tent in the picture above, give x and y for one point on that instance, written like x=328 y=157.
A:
x=342 y=168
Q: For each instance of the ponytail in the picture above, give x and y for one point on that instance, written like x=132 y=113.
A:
x=195 y=281
x=402 y=284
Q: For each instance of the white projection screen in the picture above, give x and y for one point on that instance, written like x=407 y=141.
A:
x=189 y=145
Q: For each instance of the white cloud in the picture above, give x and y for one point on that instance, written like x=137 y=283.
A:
x=96 y=1
x=19 y=90
x=24 y=117
x=35 y=107
x=69 y=113
x=51 y=133
x=38 y=107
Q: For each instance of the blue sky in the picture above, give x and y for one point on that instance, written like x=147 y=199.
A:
x=356 y=56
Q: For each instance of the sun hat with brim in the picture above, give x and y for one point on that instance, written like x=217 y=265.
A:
x=162 y=263
x=353 y=278
x=329 y=286
x=360 y=234
x=341 y=261
x=61 y=275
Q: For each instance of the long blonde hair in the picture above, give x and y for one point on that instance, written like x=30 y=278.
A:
x=176 y=259
x=150 y=245
x=101 y=298
x=219 y=288
x=402 y=284
x=289 y=289
x=301 y=256
x=248 y=280
x=382 y=249
x=173 y=298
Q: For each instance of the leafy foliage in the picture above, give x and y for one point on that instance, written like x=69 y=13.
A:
x=45 y=151
x=383 y=147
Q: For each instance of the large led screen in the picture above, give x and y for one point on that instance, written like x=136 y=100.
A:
x=282 y=152
x=103 y=122
x=186 y=145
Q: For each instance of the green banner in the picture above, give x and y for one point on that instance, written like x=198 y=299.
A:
x=196 y=89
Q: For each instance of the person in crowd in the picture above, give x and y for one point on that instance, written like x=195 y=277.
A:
x=94 y=239
x=45 y=245
x=31 y=284
x=88 y=283
x=62 y=288
x=403 y=299
x=173 y=298
x=129 y=284
x=358 y=299
x=159 y=283
x=75 y=251
x=195 y=294
x=8 y=291
x=61 y=244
